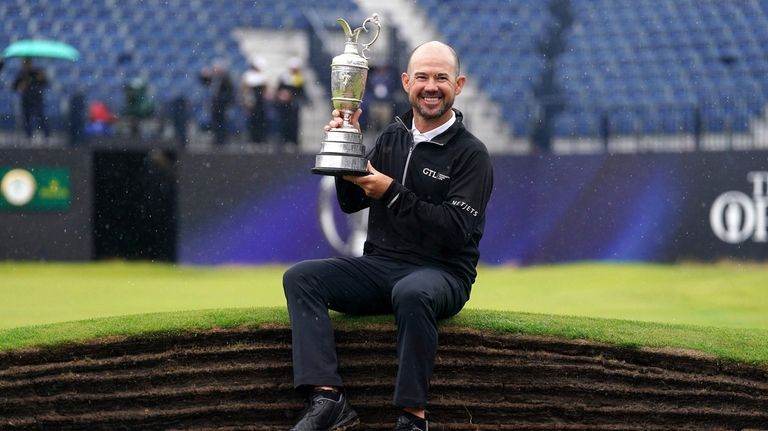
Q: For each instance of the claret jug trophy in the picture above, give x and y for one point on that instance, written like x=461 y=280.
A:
x=342 y=151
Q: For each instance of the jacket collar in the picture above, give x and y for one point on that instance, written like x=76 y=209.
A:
x=441 y=139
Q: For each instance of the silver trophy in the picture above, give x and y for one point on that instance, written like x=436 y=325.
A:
x=342 y=151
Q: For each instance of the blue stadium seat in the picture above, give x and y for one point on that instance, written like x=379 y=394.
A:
x=667 y=54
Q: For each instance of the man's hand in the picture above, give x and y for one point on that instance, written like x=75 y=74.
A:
x=374 y=184
x=338 y=120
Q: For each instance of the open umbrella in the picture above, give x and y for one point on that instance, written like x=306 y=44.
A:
x=41 y=48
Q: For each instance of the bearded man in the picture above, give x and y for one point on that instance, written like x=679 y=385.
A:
x=429 y=181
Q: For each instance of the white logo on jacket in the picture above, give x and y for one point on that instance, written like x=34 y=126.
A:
x=466 y=207
x=434 y=174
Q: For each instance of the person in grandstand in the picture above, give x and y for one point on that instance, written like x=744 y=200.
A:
x=30 y=82
x=221 y=98
x=290 y=97
x=254 y=91
x=428 y=183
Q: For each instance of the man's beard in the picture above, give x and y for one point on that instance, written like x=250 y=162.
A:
x=431 y=115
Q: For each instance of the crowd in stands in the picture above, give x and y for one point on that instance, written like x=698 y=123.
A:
x=246 y=109
x=556 y=68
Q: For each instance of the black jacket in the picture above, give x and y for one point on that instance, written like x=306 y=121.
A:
x=434 y=212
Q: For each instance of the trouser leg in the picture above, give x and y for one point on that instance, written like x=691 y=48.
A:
x=40 y=112
x=419 y=300
x=26 y=112
x=349 y=285
x=219 y=125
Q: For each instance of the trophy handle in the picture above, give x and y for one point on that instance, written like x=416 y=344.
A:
x=375 y=20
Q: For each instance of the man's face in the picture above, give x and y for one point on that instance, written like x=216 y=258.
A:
x=432 y=85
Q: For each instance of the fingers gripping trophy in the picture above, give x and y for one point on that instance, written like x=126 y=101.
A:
x=342 y=151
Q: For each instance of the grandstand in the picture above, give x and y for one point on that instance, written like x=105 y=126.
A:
x=573 y=76
x=166 y=42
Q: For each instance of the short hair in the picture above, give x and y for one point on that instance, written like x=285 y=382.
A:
x=453 y=51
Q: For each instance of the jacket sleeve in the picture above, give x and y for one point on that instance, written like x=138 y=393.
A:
x=351 y=197
x=452 y=222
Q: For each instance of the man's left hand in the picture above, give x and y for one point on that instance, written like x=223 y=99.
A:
x=374 y=184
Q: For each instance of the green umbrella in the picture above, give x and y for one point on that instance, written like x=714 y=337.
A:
x=41 y=48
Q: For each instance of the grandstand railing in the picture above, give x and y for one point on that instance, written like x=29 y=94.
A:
x=710 y=123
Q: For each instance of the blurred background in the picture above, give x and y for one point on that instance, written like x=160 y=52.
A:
x=185 y=130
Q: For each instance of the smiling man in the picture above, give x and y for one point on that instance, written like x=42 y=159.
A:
x=432 y=84
x=429 y=180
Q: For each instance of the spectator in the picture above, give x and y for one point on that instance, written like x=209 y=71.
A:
x=254 y=92
x=380 y=96
x=76 y=118
x=222 y=96
x=179 y=110
x=138 y=105
x=100 y=119
x=288 y=100
x=30 y=83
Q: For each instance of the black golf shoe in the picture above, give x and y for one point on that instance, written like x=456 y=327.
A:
x=325 y=413
x=409 y=422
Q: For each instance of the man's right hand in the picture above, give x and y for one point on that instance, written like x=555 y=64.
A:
x=338 y=120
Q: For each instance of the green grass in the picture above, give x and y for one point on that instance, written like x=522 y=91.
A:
x=45 y=293
x=727 y=294
x=718 y=309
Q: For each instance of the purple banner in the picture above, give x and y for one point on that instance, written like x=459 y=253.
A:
x=652 y=207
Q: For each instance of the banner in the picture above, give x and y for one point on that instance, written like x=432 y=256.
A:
x=34 y=189
x=46 y=206
x=544 y=209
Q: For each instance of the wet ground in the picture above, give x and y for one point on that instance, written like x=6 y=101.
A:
x=240 y=379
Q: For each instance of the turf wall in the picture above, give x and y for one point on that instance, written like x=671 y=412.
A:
x=649 y=207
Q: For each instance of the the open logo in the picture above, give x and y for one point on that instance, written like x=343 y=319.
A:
x=735 y=217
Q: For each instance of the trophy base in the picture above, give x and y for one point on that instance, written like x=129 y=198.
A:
x=337 y=172
x=342 y=153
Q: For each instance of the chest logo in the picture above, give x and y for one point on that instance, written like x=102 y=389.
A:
x=434 y=174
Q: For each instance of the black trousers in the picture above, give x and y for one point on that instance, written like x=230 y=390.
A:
x=31 y=111
x=418 y=297
x=219 y=124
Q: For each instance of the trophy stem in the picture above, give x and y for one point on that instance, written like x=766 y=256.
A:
x=347 y=117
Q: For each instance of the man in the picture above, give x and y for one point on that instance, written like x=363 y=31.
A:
x=428 y=183
x=30 y=83
x=221 y=97
x=289 y=98
x=253 y=87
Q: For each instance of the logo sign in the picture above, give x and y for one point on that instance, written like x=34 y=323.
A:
x=357 y=223
x=736 y=217
x=34 y=189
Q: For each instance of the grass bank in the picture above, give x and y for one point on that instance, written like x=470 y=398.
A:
x=733 y=344
x=718 y=309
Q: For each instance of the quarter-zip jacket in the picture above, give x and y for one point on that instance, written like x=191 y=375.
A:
x=433 y=213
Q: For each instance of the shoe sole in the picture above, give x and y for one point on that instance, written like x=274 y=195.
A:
x=347 y=426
